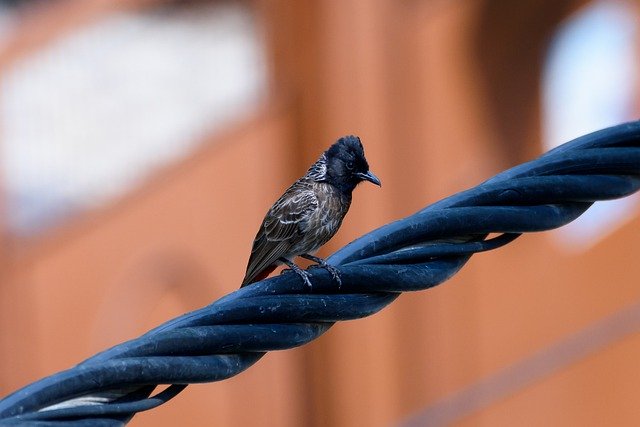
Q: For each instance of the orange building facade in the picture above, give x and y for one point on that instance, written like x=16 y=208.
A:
x=443 y=95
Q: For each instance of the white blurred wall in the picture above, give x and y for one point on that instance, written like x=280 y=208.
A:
x=88 y=117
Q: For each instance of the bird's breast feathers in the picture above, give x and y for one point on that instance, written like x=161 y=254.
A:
x=325 y=220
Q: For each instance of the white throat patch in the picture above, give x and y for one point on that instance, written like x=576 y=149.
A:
x=318 y=171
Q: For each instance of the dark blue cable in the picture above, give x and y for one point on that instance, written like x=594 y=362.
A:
x=414 y=253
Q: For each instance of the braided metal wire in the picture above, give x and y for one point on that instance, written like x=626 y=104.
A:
x=414 y=253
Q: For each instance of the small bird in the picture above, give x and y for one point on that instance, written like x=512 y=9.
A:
x=310 y=212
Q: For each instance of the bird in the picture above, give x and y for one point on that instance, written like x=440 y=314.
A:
x=310 y=212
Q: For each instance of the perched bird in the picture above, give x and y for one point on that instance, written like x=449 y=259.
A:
x=310 y=212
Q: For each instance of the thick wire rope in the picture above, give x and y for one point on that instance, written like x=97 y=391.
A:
x=415 y=253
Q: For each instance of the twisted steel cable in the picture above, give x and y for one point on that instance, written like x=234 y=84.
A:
x=414 y=253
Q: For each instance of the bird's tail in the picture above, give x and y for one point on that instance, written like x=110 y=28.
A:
x=258 y=276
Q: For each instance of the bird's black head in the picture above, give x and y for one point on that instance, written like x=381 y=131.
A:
x=346 y=164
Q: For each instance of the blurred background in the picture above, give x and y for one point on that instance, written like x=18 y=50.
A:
x=143 y=140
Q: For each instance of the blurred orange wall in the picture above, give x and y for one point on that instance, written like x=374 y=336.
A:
x=420 y=83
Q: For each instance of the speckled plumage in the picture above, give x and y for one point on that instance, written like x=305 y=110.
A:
x=311 y=210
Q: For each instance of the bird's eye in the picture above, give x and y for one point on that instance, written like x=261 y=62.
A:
x=349 y=165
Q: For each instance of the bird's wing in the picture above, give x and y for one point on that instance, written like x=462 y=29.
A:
x=283 y=227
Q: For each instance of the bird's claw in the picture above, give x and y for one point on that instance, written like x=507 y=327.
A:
x=335 y=273
x=305 y=279
x=303 y=274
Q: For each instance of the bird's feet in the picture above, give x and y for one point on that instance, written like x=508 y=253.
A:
x=335 y=273
x=300 y=272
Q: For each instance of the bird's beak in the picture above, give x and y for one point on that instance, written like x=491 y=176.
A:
x=369 y=176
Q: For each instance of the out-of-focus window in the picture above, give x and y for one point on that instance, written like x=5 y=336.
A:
x=90 y=115
x=591 y=82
